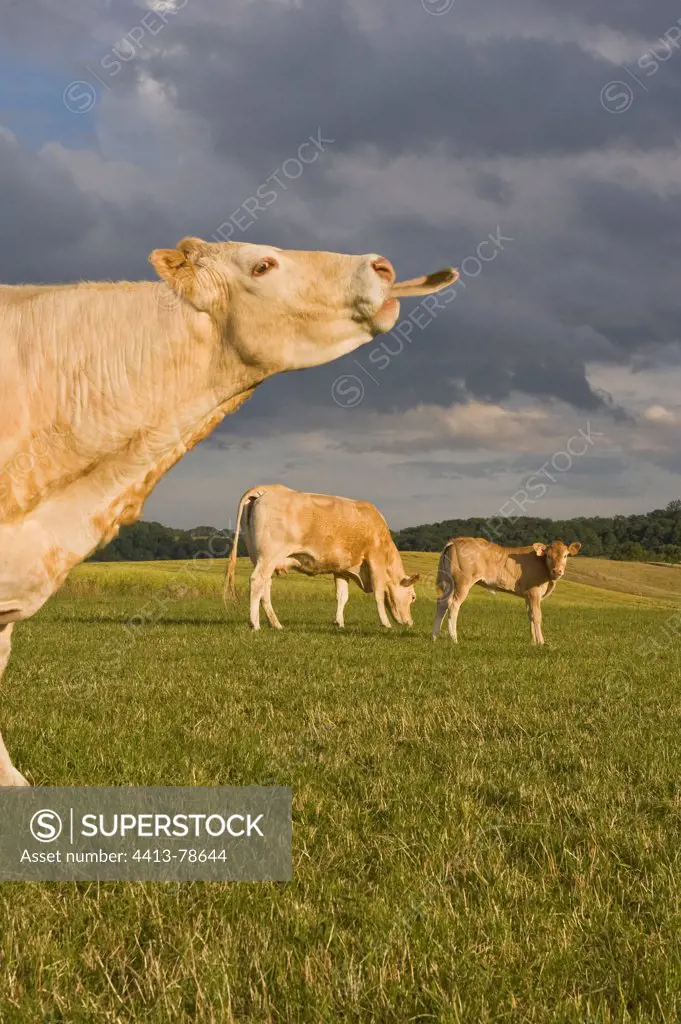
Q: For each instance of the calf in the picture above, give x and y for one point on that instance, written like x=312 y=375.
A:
x=530 y=572
x=316 y=534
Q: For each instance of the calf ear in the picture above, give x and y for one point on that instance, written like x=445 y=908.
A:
x=540 y=549
x=574 y=548
x=409 y=581
x=178 y=267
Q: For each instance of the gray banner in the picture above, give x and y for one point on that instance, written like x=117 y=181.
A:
x=145 y=833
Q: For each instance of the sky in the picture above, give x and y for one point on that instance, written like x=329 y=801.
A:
x=535 y=145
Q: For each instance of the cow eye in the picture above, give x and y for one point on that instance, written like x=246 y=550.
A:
x=264 y=266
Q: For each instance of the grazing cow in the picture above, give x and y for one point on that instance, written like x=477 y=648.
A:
x=317 y=534
x=530 y=572
x=104 y=386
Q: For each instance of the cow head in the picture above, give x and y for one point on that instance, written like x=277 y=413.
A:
x=556 y=555
x=400 y=596
x=283 y=309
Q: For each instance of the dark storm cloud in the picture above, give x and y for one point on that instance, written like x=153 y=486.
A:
x=412 y=81
x=53 y=232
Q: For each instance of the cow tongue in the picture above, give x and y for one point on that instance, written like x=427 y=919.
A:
x=424 y=285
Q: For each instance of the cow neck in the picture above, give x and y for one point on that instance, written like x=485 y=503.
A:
x=165 y=384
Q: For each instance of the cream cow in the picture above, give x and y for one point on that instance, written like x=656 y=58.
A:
x=104 y=386
x=318 y=534
x=530 y=572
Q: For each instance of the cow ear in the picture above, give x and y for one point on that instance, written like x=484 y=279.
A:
x=178 y=267
x=574 y=548
x=409 y=581
x=540 y=549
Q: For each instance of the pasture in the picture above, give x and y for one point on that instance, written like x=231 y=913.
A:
x=488 y=832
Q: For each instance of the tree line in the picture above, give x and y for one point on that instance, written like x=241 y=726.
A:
x=151 y=542
x=655 y=536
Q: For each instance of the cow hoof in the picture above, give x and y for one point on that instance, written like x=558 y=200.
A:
x=341 y=625
x=13 y=777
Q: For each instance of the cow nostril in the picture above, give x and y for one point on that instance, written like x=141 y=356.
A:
x=384 y=269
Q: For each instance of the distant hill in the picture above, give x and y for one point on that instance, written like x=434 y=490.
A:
x=655 y=536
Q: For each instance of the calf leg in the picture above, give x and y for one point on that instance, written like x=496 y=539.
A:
x=456 y=599
x=538 y=623
x=441 y=610
x=531 y=620
x=9 y=776
x=267 y=605
x=342 y=594
x=534 y=613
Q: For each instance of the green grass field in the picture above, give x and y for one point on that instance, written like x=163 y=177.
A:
x=488 y=832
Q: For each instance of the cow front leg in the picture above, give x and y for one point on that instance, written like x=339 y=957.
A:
x=379 y=594
x=377 y=583
x=342 y=594
x=9 y=776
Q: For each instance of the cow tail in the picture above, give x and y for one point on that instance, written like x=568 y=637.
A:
x=445 y=580
x=229 y=592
